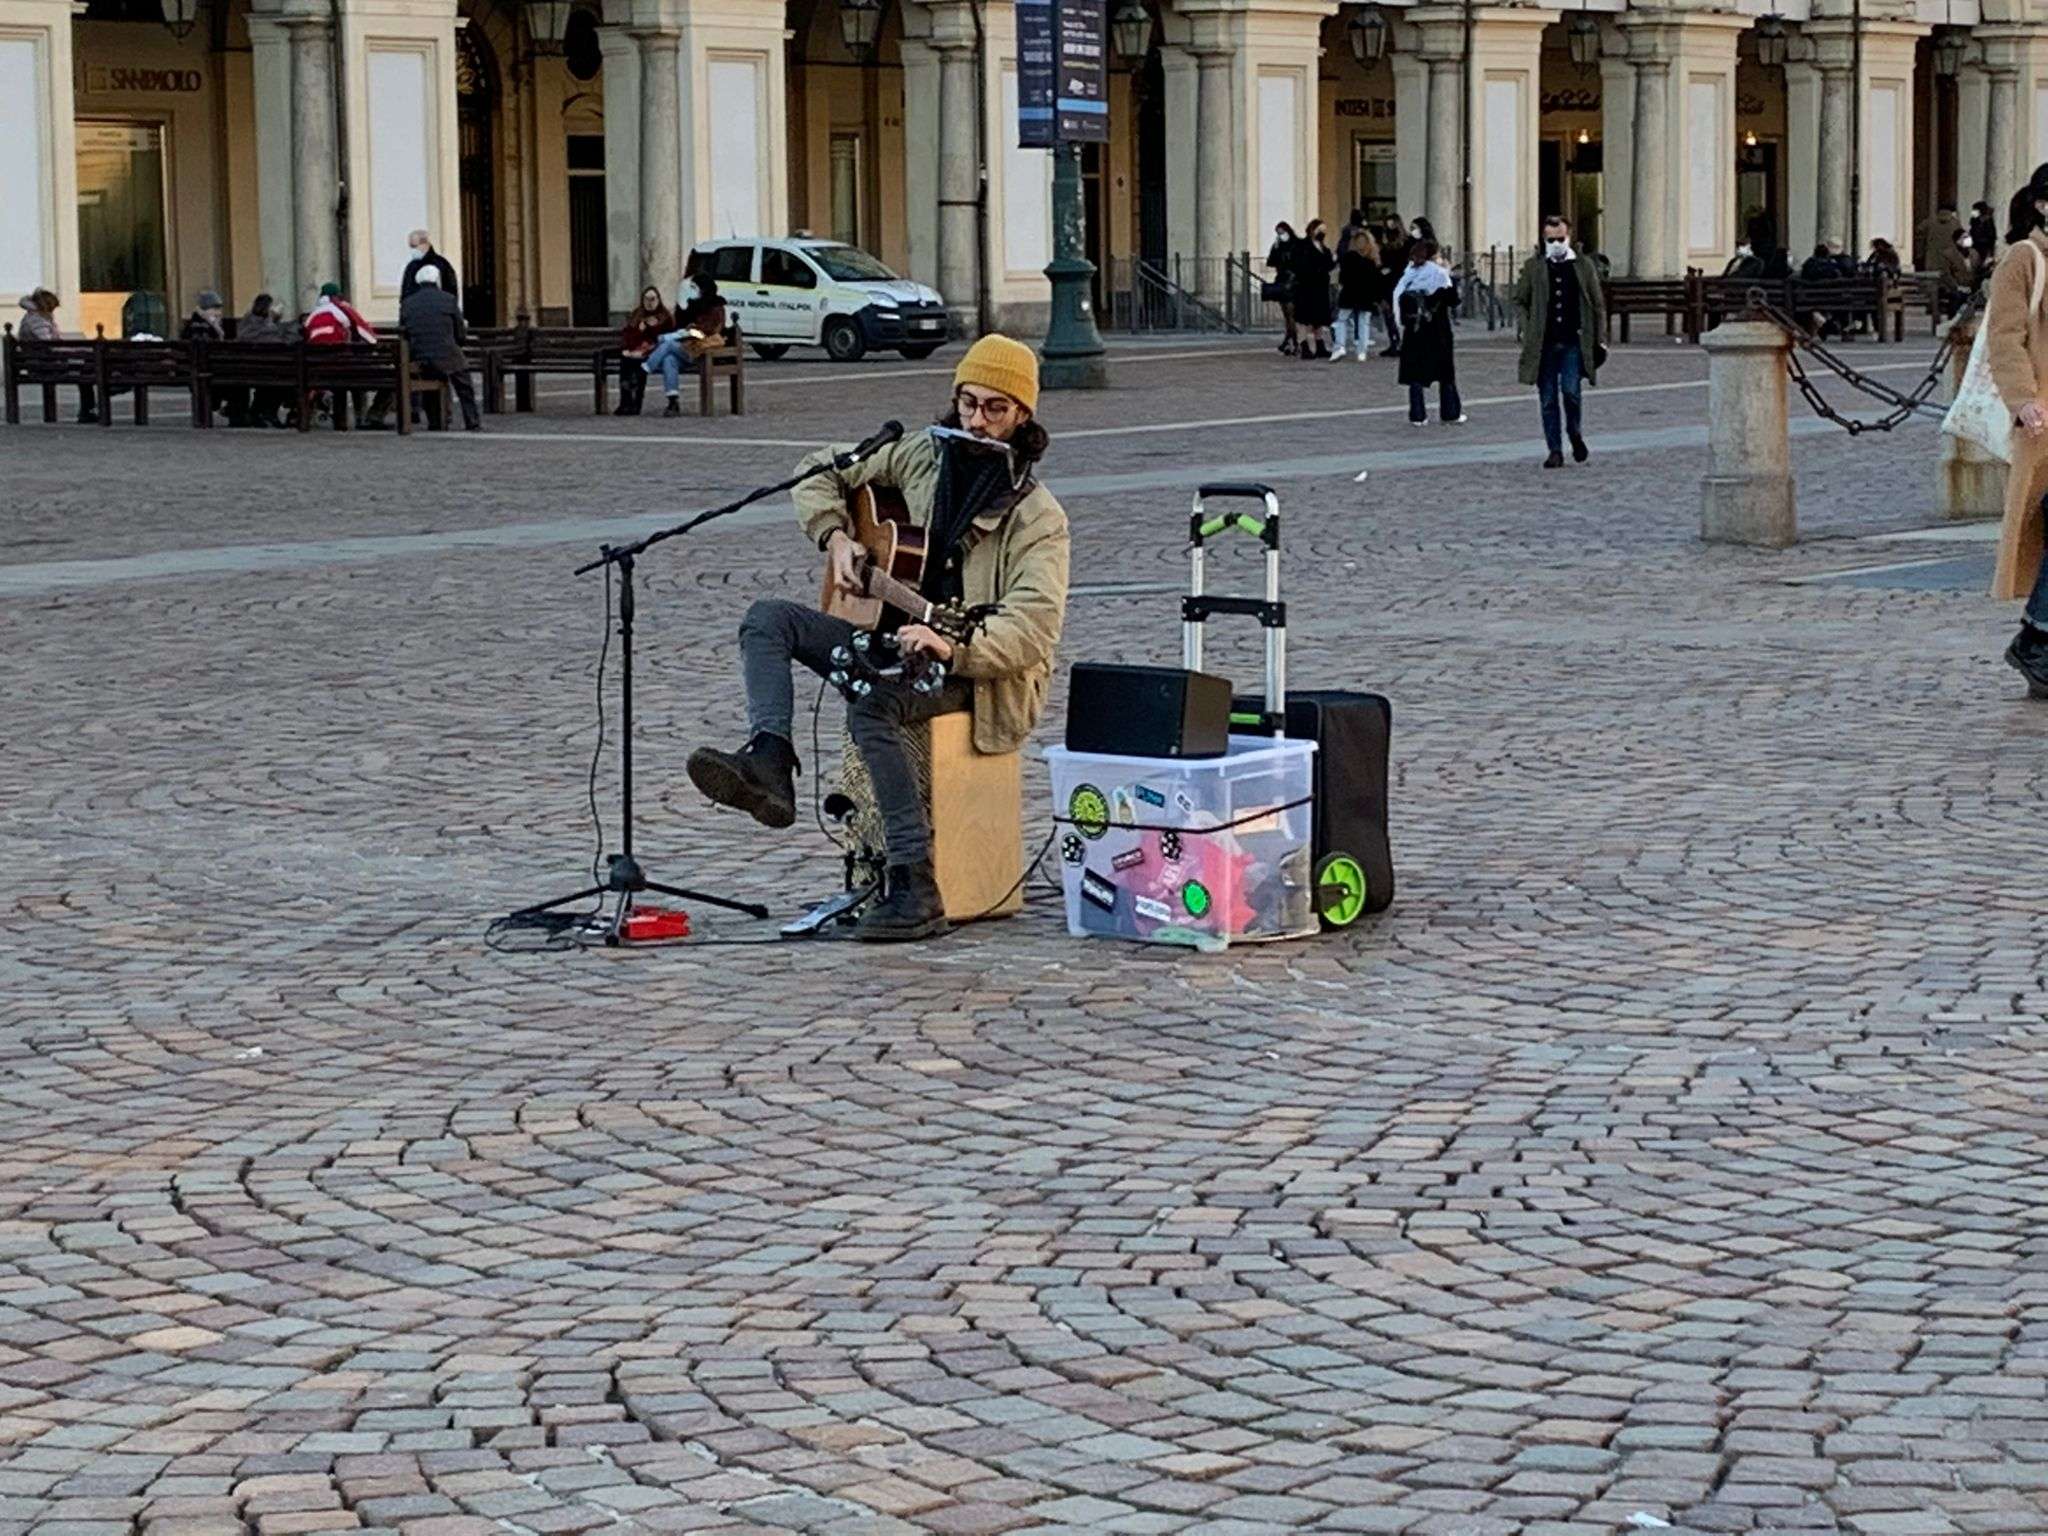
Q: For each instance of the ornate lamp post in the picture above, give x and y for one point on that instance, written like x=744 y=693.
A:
x=1072 y=355
x=1583 y=38
x=1368 y=34
x=179 y=15
x=548 y=20
x=860 y=22
x=1773 y=42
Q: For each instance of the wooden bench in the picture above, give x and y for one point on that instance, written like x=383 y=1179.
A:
x=1674 y=298
x=108 y=367
x=300 y=372
x=1873 y=298
x=525 y=351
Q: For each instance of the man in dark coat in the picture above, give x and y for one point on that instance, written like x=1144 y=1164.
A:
x=432 y=323
x=426 y=258
x=1564 y=326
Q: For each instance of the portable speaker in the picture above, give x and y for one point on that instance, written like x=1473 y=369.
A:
x=1354 y=860
x=1147 y=711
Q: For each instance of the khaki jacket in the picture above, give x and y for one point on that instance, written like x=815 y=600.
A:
x=1018 y=559
x=2016 y=342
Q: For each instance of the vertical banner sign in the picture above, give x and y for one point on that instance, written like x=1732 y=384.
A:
x=1081 y=98
x=1035 y=74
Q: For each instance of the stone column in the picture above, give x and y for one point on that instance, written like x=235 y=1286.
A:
x=316 y=244
x=1617 y=149
x=1215 y=171
x=1649 y=244
x=661 y=173
x=1973 y=139
x=1802 y=158
x=270 y=77
x=2002 y=168
x=623 y=277
x=1411 y=150
x=1444 y=176
x=959 y=178
x=1832 y=199
x=1970 y=482
x=1747 y=496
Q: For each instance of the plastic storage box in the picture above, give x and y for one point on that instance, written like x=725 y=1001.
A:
x=1205 y=852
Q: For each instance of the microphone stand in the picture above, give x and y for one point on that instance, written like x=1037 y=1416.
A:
x=624 y=875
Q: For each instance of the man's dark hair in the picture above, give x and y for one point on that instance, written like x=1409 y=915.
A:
x=1358 y=215
x=1027 y=444
x=1556 y=218
x=1946 y=205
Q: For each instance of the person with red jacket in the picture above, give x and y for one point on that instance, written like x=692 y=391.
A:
x=334 y=321
x=642 y=334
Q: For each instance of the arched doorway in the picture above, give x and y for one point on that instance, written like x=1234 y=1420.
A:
x=476 y=96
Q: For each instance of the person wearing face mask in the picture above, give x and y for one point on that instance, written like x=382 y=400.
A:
x=1564 y=321
x=1959 y=270
x=420 y=253
x=1313 y=263
x=699 y=326
x=1279 y=289
x=643 y=331
x=1425 y=298
x=2016 y=343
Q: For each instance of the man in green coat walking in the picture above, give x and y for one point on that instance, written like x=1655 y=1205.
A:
x=1564 y=321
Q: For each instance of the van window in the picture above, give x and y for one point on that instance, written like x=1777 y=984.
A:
x=786 y=269
x=728 y=264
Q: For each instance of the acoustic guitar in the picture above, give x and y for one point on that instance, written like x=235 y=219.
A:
x=892 y=565
x=892 y=568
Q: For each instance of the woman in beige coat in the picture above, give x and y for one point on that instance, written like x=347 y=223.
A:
x=2017 y=330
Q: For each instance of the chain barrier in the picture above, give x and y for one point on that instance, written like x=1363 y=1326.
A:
x=1905 y=404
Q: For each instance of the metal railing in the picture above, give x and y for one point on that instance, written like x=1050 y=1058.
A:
x=1142 y=296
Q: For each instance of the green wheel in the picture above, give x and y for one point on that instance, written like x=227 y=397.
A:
x=1340 y=889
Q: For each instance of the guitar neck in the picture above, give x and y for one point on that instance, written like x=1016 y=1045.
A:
x=899 y=595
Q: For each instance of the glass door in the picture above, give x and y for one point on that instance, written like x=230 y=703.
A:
x=123 y=266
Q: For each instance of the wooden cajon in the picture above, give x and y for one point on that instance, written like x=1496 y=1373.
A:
x=977 y=810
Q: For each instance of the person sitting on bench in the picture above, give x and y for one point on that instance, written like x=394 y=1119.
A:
x=994 y=535
x=700 y=326
x=39 y=323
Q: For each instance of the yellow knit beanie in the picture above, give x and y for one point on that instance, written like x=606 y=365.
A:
x=997 y=362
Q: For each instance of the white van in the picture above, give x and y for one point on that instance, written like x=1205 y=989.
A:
x=820 y=293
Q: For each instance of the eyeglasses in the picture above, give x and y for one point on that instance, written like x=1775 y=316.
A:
x=993 y=409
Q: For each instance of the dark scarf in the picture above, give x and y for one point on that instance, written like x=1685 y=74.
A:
x=970 y=482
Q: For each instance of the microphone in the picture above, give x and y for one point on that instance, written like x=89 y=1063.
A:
x=867 y=448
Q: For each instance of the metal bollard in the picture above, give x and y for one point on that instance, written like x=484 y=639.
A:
x=1972 y=482
x=1747 y=496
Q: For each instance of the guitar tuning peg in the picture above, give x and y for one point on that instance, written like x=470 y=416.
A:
x=860 y=641
x=837 y=678
x=841 y=656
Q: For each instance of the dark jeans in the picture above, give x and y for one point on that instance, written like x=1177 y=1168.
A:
x=632 y=385
x=2037 y=602
x=458 y=380
x=1560 y=379
x=776 y=632
x=1449 y=406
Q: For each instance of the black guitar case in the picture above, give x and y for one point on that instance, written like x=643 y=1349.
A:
x=1354 y=857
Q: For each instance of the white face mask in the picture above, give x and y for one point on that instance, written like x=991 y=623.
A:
x=691 y=291
x=1742 y=250
x=1414 y=233
x=1963 y=242
x=1557 y=250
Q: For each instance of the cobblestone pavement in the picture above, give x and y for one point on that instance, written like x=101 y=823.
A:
x=1670 y=1156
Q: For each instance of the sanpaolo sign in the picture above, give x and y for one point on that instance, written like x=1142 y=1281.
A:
x=135 y=77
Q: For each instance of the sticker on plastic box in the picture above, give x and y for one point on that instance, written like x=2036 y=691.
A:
x=1097 y=889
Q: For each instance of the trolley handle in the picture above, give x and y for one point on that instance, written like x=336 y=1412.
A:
x=1202 y=526
x=1271 y=612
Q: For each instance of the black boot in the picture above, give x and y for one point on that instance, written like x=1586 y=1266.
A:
x=1579 y=449
x=632 y=390
x=2028 y=655
x=911 y=909
x=759 y=779
x=1555 y=461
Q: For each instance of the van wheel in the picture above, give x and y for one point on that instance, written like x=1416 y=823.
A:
x=919 y=353
x=769 y=351
x=843 y=343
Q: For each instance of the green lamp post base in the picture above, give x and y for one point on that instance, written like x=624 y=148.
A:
x=1073 y=356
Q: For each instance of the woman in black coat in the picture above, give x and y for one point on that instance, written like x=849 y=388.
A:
x=1425 y=298
x=1359 y=293
x=1313 y=263
x=1280 y=287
